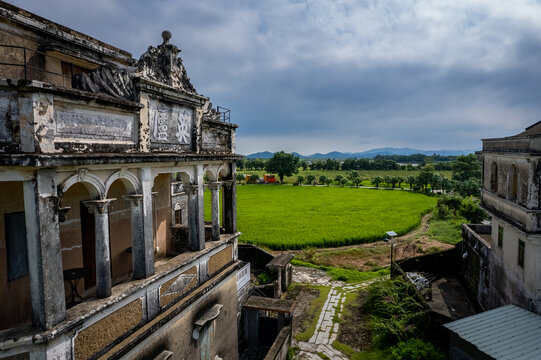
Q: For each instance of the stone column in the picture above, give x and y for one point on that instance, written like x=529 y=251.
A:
x=196 y=233
x=137 y=236
x=44 y=255
x=147 y=181
x=100 y=209
x=230 y=206
x=215 y=205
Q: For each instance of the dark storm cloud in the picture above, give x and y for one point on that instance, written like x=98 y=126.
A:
x=313 y=76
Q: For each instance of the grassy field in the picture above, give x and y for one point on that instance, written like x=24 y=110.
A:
x=296 y=217
x=366 y=175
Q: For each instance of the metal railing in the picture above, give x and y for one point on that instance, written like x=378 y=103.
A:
x=225 y=114
x=32 y=65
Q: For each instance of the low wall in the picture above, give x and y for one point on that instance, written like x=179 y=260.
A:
x=475 y=261
x=445 y=262
x=257 y=257
x=278 y=350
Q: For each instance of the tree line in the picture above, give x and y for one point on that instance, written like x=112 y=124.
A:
x=465 y=180
x=380 y=162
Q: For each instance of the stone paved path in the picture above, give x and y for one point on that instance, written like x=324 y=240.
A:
x=326 y=330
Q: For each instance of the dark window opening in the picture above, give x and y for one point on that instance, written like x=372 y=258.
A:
x=494 y=178
x=500 y=236
x=17 y=252
x=521 y=253
x=178 y=217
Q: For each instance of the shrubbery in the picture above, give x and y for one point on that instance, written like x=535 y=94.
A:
x=416 y=349
x=395 y=312
x=455 y=206
x=399 y=323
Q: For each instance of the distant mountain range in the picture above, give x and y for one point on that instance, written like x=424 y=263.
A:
x=367 y=154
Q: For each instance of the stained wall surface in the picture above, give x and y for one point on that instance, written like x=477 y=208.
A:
x=15 y=306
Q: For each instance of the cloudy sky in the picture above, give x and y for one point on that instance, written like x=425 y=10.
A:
x=317 y=76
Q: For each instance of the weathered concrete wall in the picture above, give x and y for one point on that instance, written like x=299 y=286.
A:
x=257 y=257
x=15 y=305
x=216 y=138
x=509 y=282
x=177 y=337
x=278 y=350
x=445 y=262
x=475 y=262
x=9 y=121
x=527 y=187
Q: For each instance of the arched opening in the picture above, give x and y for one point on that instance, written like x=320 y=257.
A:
x=120 y=236
x=494 y=177
x=513 y=183
x=77 y=238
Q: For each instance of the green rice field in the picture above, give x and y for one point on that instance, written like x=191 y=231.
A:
x=296 y=217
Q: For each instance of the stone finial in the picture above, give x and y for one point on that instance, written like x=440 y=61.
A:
x=166 y=36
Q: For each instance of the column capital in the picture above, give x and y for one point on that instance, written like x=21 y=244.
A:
x=98 y=206
x=215 y=185
x=191 y=189
x=133 y=199
x=228 y=183
x=62 y=212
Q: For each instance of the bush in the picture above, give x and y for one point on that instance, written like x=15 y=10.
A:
x=452 y=202
x=291 y=352
x=416 y=349
x=442 y=211
x=265 y=278
x=471 y=211
x=395 y=312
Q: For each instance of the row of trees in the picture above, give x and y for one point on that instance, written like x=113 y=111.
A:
x=378 y=163
x=465 y=178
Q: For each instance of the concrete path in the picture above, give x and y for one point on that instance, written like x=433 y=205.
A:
x=326 y=328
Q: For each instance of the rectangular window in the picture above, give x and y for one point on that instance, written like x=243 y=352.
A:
x=500 y=236
x=17 y=253
x=178 y=217
x=521 y=253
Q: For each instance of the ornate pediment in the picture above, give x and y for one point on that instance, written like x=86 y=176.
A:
x=162 y=64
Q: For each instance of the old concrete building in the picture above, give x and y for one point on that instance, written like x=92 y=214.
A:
x=505 y=259
x=104 y=162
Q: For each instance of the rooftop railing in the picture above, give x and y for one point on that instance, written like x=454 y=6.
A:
x=18 y=62
x=225 y=114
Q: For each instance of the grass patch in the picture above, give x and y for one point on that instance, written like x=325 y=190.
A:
x=347 y=275
x=323 y=356
x=315 y=310
x=346 y=349
x=446 y=231
x=297 y=217
x=372 y=355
